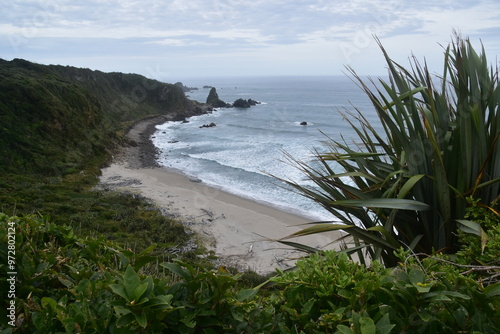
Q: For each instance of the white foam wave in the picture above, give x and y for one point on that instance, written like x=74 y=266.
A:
x=245 y=146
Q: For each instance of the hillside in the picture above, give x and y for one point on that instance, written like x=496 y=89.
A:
x=56 y=120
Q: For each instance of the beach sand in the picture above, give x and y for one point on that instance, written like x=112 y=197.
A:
x=236 y=229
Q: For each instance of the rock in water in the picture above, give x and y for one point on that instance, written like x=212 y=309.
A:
x=240 y=103
x=195 y=179
x=208 y=125
x=213 y=99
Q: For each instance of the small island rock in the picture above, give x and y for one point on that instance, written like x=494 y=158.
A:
x=211 y=125
x=241 y=103
x=213 y=99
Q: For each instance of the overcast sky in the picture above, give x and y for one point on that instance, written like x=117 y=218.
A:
x=174 y=39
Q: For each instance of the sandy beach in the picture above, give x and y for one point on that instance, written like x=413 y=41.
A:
x=235 y=228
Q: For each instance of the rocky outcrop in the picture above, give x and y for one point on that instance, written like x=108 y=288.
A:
x=214 y=101
x=185 y=89
x=241 y=103
x=211 y=125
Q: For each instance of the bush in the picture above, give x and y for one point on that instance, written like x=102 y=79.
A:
x=480 y=244
x=407 y=186
x=329 y=293
x=66 y=283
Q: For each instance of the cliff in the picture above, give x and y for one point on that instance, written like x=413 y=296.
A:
x=57 y=120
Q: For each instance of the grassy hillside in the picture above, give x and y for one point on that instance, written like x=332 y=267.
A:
x=58 y=125
x=56 y=120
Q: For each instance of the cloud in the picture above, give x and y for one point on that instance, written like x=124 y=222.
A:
x=337 y=31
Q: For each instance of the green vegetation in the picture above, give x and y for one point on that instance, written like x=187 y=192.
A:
x=48 y=126
x=58 y=126
x=480 y=247
x=329 y=294
x=423 y=203
x=72 y=284
x=57 y=120
x=125 y=218
x=408 y=187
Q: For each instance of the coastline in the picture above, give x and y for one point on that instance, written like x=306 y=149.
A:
x=236 y=229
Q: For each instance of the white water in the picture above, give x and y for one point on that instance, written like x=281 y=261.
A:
x=246 y=145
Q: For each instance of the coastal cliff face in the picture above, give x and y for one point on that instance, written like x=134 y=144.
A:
x=57 y=120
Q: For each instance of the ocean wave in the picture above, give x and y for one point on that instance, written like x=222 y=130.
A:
x=244 y=147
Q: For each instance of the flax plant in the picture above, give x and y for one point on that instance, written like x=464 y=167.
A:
x=407 y=186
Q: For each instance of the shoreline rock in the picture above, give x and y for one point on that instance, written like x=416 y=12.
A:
x=142 y=153
x=213 y=99
x=241 y=103
x=211 y=125
x=185 y=89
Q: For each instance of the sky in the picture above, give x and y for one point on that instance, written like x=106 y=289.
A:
x=175 y=39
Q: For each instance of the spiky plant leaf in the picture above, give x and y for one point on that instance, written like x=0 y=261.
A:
x=407 y=185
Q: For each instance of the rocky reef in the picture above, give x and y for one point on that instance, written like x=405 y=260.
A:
x=241 y=103
x=211 y=125
x=213 y=100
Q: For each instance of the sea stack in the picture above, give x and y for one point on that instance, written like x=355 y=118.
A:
x=213 y=99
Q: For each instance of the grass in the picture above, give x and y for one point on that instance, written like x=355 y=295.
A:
x=71 y=200
x=59 y=125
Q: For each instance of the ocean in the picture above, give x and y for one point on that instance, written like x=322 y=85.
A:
x=247 y=146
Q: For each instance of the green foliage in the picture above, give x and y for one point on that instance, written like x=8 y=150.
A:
x=48 y=125
x=481 y=246
x=407 y=186
x=139 y=303
x=329 y=293
x=61 y=279
x=124 y=218
x=71 y=284
x=208 y=301
x=57 y=120
x=67 y=283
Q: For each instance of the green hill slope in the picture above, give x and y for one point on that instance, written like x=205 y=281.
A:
x=56 y=120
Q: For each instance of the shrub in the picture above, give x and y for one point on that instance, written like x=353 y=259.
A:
x=66 y=283
x=329 y=293
x=63 y=281
x=407 y=187
x=480 y=242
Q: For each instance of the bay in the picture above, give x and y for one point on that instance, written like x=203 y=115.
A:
x=247 y=146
